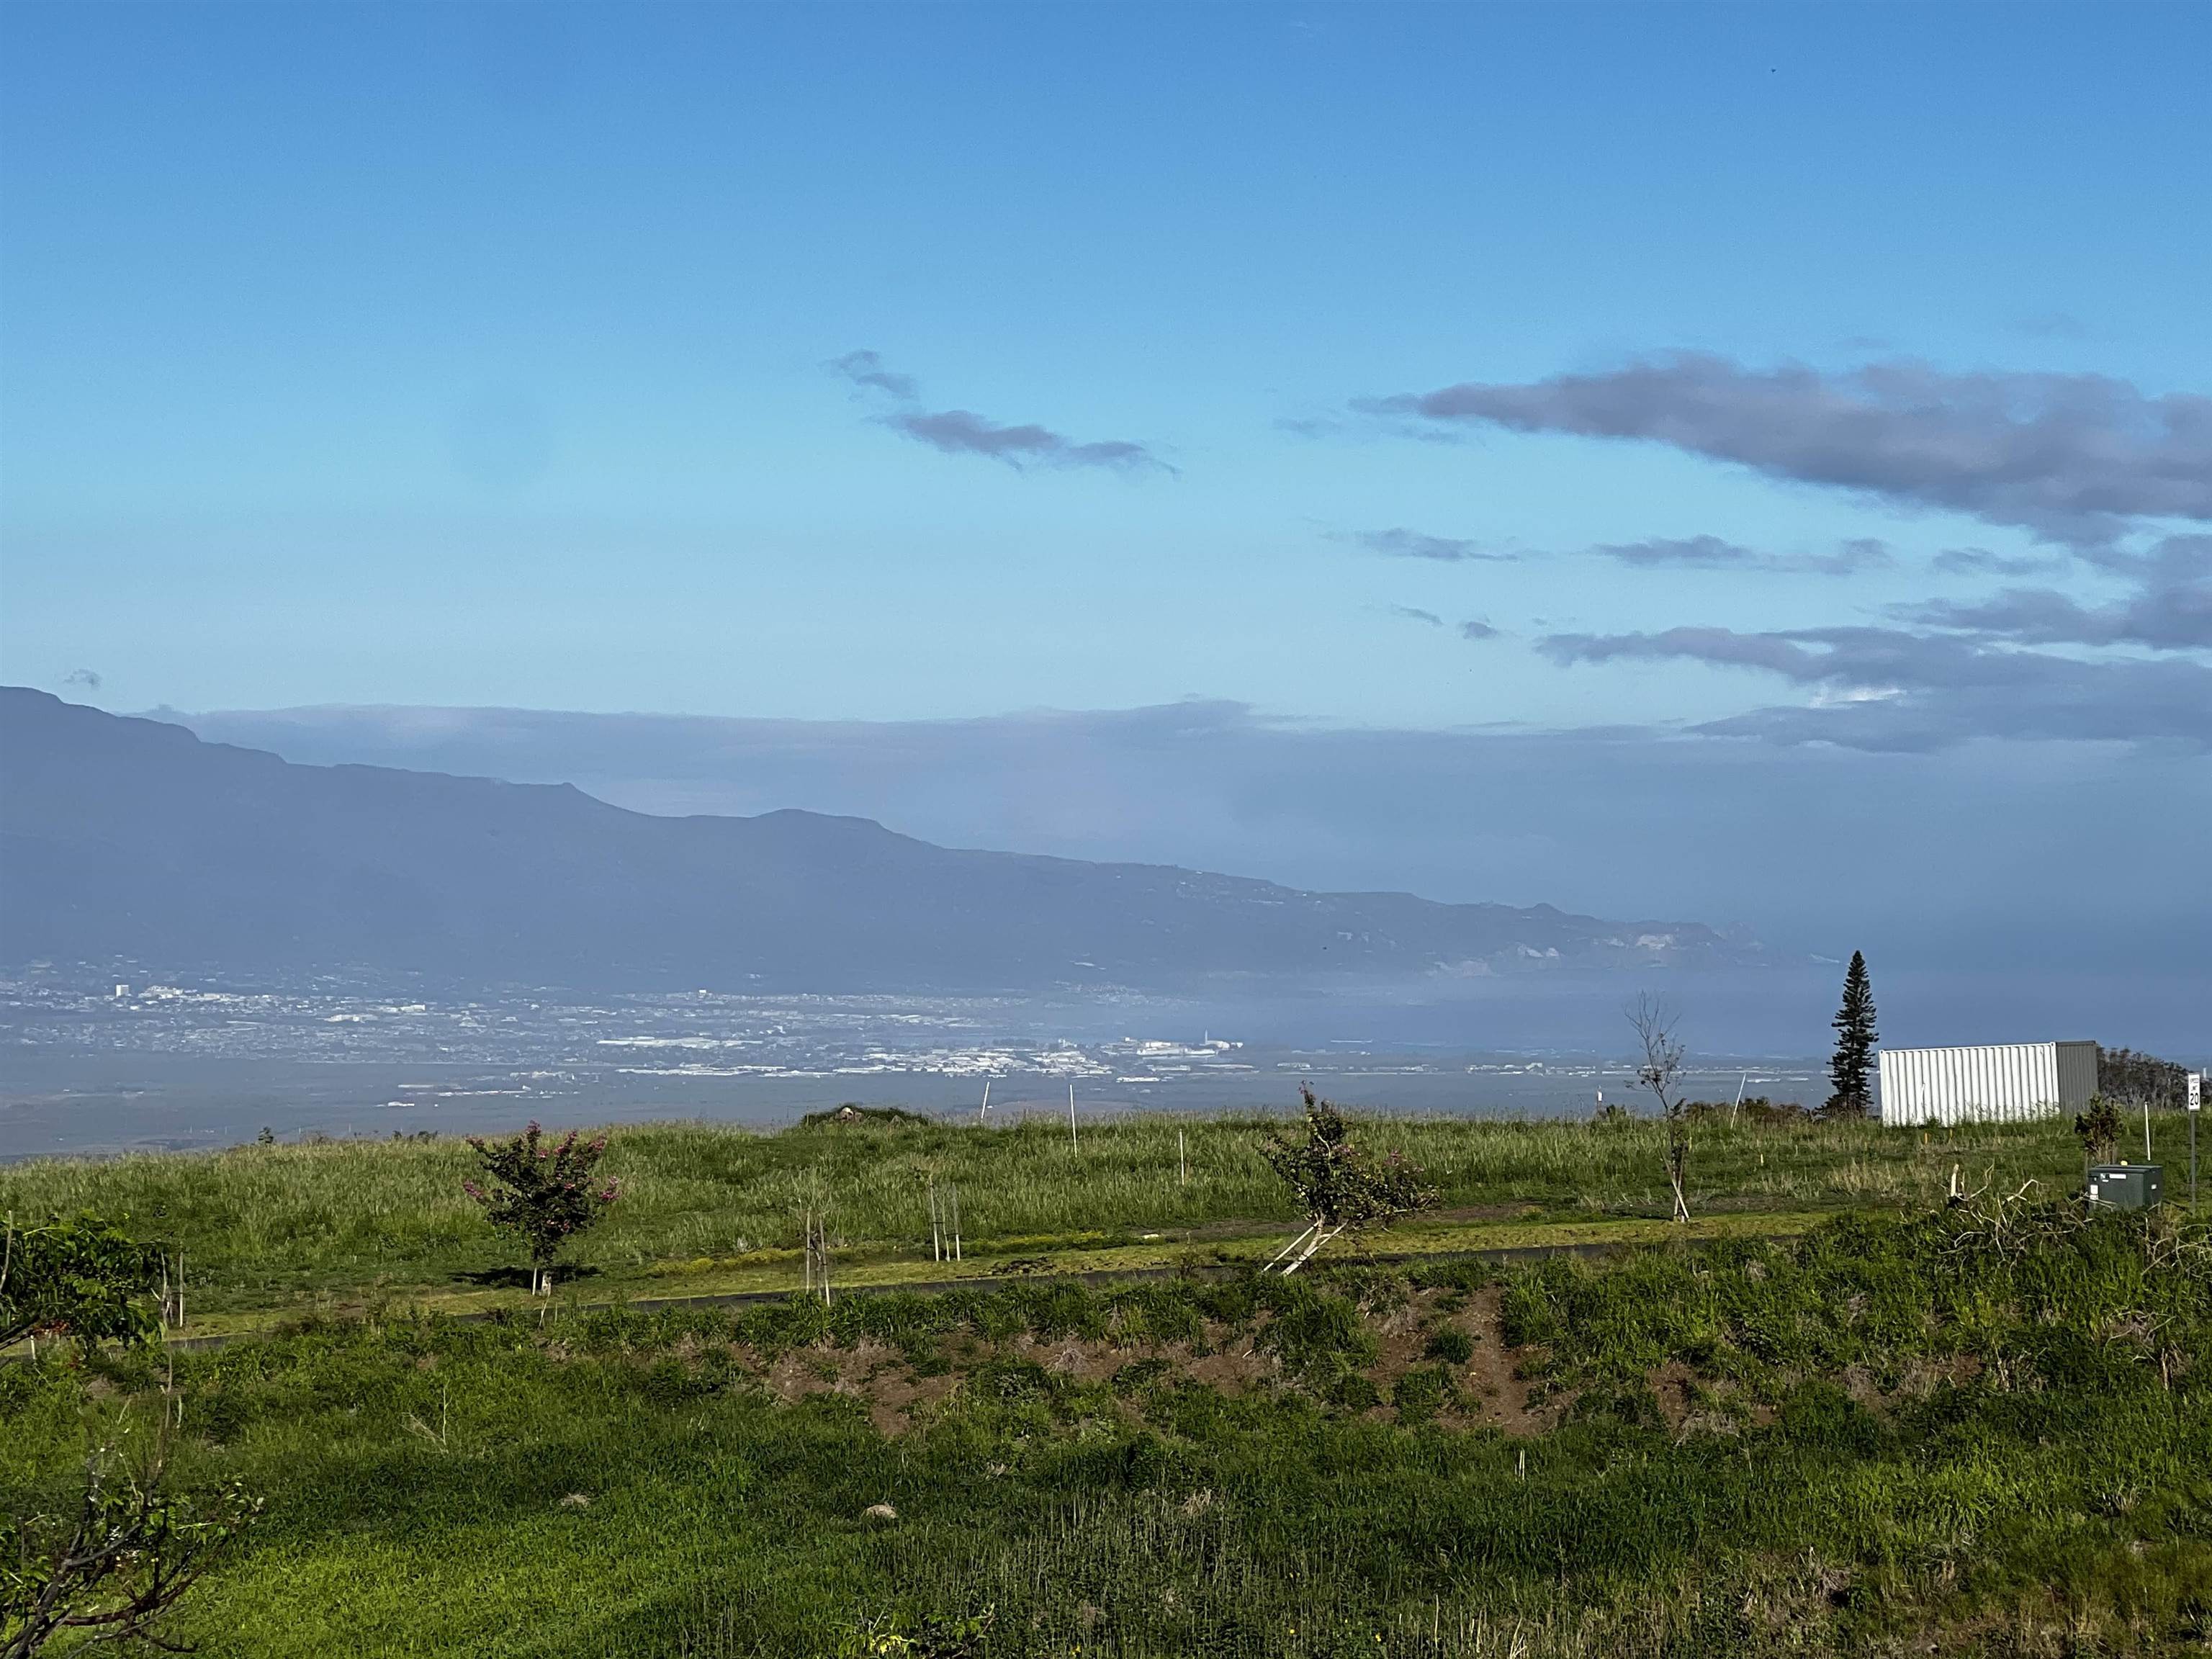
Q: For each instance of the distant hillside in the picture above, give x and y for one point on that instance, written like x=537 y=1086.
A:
x=131 y=839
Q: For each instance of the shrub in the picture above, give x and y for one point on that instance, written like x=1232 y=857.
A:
x=86 y=1279
x=2097 y=1129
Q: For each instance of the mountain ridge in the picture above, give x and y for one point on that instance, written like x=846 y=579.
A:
x=122 y=838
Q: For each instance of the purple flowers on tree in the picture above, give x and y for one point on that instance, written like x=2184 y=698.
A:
x=544 y=1194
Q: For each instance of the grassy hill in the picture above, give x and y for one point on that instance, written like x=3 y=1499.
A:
x=1902 y=1429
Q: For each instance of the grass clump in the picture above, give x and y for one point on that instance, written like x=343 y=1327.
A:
x=1451 y=1345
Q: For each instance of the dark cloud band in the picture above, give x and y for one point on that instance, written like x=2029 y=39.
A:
x=2073 y=458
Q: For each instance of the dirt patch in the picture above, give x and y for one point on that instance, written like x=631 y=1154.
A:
x=1402 y=1340
x=873 y=1373
x=1232 y=1368
x=896 y=1397
x=1086 y=1362
x=807 y=1371
x=1675 y=1385
x=1496 y=1394
x=1923 y=1376
x=1490 y=1390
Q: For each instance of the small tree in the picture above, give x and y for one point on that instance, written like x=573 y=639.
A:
x=1852 y=1068
x=544 y=1194
x=108 y=1573
x=1336 y=1185
x=85 y=1279
x=1660 y=1072
x=2097 y=1129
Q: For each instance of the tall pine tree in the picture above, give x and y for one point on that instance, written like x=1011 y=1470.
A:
x=1851 y=1070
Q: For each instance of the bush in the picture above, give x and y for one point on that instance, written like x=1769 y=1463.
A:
x=85 y=1279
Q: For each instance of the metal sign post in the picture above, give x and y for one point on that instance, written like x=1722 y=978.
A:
x=2195 y=1111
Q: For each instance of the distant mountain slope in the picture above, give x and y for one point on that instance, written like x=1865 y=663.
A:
x=130 y=838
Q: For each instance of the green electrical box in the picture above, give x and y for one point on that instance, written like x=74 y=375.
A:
x=2125 y=1186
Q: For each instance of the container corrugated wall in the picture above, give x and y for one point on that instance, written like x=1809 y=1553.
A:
x=2077 y=1074
x=1991 y=1083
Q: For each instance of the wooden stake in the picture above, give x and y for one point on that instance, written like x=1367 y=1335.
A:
x=1071 y=1119
x=1312 y=1227
x=1182 y=1162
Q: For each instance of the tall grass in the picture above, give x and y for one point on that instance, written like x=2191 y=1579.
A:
x=263 y=1224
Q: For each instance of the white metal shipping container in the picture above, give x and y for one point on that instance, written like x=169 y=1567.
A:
x=1993 y=1083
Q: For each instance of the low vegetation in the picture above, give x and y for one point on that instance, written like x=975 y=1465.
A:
x=295 y=1228
x=1985 y=1429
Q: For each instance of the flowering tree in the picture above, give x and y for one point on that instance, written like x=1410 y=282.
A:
x=1338 y=1189
x=544 y=1194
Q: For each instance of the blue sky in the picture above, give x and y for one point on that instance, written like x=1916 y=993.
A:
x=1762 y=382
x=433 y=354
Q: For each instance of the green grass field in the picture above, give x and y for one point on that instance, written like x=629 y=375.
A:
x=299 y=1228
x=1905 y=1431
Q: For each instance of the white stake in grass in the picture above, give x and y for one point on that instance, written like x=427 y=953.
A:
x=1071 y=1119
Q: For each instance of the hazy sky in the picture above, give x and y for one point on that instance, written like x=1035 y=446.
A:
x=1815 y=398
